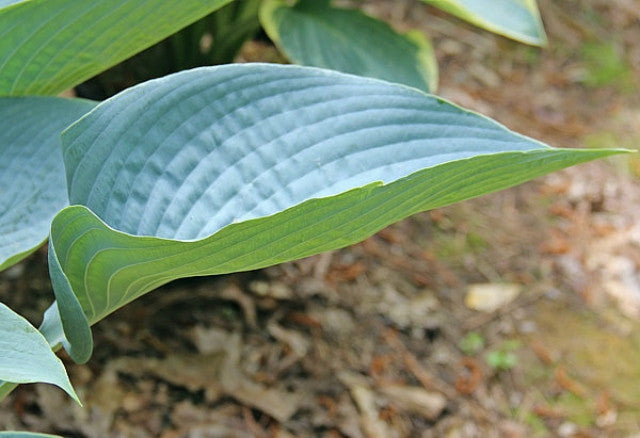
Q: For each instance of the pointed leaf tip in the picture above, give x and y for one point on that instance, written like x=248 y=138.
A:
x=25 y=355
x=516 y=19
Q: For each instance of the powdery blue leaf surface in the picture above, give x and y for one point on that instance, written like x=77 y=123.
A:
x=32 y=181
x=25 y=355
x=47 y=46
x=516 y=19
x=313 y=33
x=239 y=167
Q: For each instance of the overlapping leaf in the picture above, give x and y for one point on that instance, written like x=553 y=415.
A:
x=32 y=181
x=25 y=355
x=15 y=434
x=313 y=33
x=517 y=19
x=47 y=46
x=238 y=167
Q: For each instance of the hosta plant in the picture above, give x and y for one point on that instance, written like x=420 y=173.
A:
x=219 y=169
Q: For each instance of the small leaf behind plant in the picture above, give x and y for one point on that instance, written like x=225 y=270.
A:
x=315 y=34
x=472 y=343
x=25 y=355
x=238 y=167
x=32 y=183
x=516 y=19
x=503 y=358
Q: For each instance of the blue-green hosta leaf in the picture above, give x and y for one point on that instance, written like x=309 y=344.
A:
x=47 y=46
x=313 y=33
x=14 y=434
x=32 y=182
x=516 y=19
x=51 y=329
x=25 y=355
x=238 y=167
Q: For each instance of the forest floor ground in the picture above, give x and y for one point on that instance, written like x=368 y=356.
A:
x=395 y=336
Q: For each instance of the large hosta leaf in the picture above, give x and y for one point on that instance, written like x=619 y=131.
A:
x=313 y=33
x=47 y=46
x=32 y=181
x=238 y=167
x=517 y=19
x=25 y=355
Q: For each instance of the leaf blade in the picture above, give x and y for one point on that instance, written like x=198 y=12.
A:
x=32 y=177
x=254 y=165
x=21 y=434
x=47 y=46
x=516 y=19
x=313 y=33
x=26 y=355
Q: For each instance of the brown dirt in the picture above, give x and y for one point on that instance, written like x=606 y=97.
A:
x=376 y=340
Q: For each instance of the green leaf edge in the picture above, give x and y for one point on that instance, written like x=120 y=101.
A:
x=21 y=434
x=19 y=256
x=459 y=11
x=79 y=334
